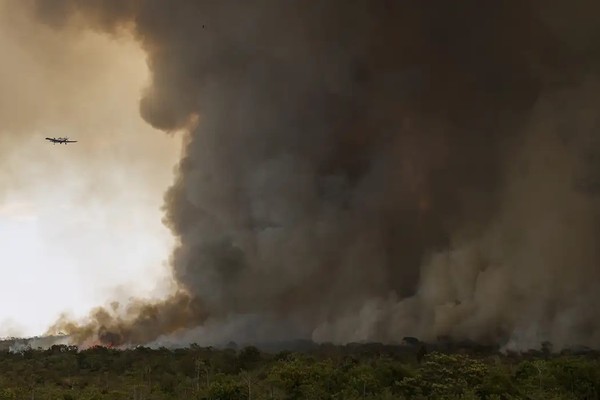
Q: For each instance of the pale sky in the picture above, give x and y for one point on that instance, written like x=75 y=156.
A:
x=80 y=224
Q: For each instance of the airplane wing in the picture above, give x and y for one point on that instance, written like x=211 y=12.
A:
x=60 y=140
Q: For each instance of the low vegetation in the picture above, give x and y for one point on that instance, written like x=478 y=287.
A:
x=324 y=372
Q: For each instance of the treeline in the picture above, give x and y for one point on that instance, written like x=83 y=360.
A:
x=325 y=372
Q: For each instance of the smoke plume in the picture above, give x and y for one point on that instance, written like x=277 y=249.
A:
x=373 y=169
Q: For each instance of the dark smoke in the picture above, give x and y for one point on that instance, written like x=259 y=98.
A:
x=372 y=169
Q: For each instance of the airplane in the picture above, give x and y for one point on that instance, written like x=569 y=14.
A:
x=61 y=140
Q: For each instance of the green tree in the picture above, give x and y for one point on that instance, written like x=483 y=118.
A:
x=249 y=358
x=225 y=388
x=7 y=394
x=445 y=375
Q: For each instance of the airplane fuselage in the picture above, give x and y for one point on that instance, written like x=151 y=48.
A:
x=60 y=140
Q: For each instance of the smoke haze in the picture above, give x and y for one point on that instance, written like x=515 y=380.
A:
x=371 y=170
x=79 y=224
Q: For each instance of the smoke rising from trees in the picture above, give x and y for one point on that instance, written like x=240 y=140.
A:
x=371 y=170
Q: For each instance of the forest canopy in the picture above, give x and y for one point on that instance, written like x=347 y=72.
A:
x=355 y=371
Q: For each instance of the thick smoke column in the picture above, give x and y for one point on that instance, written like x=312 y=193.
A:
x=373 y=169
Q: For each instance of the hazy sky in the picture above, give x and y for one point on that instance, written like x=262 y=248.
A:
x=80 y=225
